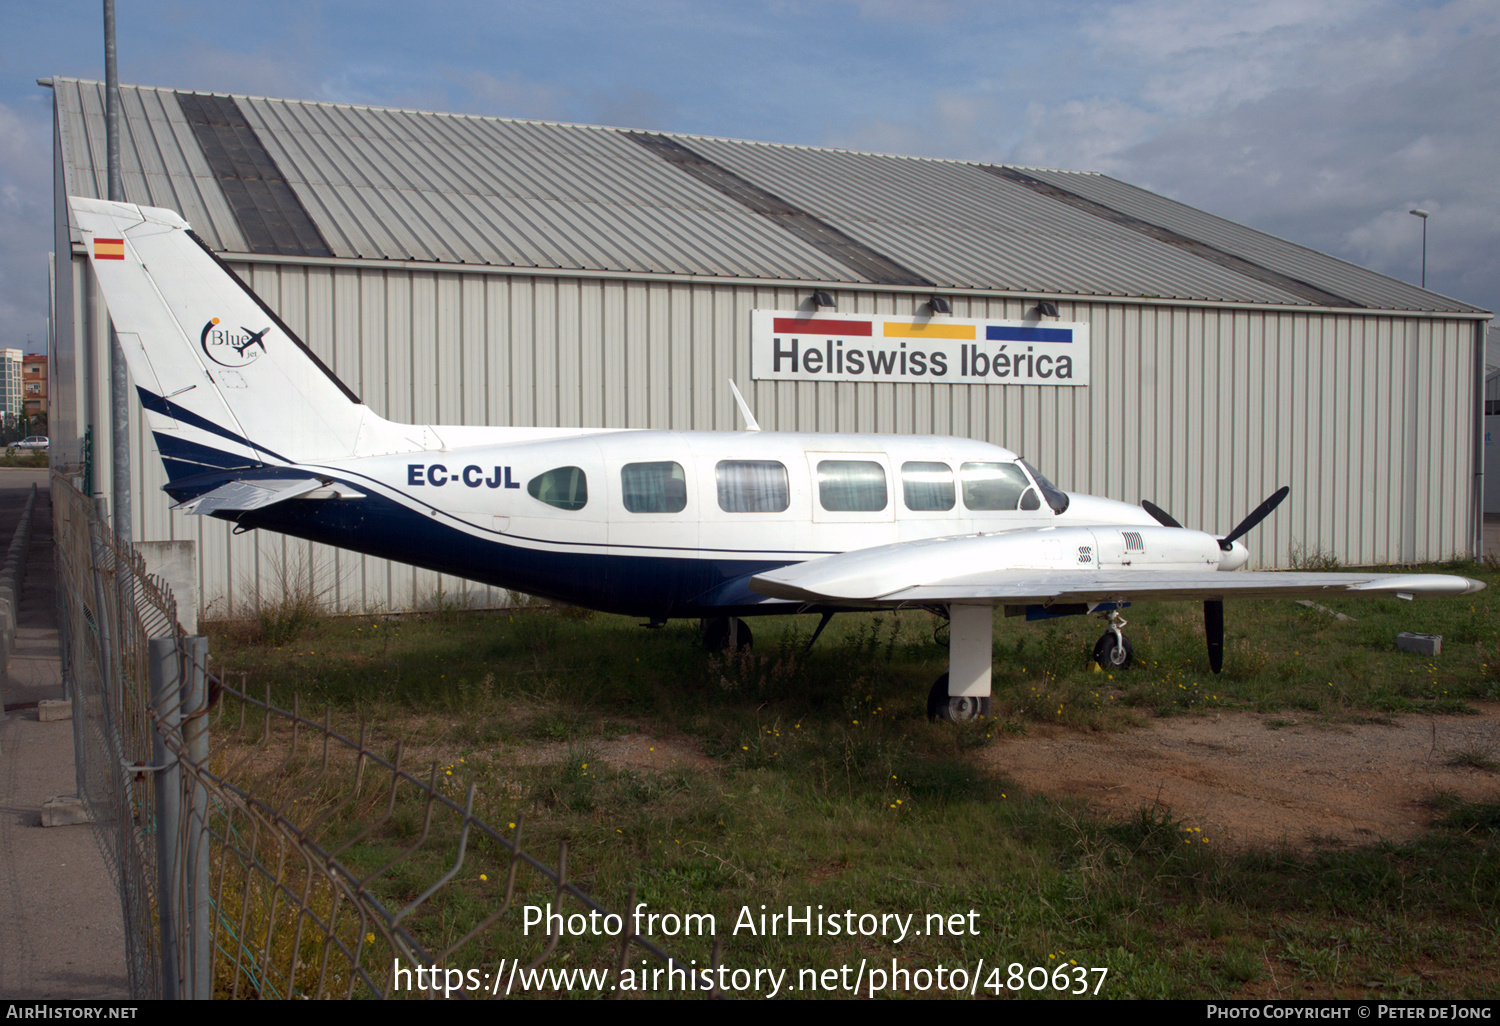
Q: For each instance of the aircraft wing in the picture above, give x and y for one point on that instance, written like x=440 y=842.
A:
x=250 y=493
x=982 y=570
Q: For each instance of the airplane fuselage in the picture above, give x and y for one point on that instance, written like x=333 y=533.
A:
x=673 y=523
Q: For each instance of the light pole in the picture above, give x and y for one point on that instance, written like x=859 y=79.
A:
x=1423 y=215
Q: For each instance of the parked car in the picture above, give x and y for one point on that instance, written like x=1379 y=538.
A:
x=34 y=442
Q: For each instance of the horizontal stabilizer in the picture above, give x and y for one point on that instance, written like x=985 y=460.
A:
x=248 y=494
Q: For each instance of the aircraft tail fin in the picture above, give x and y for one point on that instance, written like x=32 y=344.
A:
x=224 y=382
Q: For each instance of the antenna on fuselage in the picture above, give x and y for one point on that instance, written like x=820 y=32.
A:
x=750 y=423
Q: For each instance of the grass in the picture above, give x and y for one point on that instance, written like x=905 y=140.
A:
x=827 y=786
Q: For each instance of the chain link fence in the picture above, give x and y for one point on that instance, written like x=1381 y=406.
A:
x=261 y=853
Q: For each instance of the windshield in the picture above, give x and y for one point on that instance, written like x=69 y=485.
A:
x=1055 y=496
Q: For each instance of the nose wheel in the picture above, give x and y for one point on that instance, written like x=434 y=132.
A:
x=1113 y=650
x=954 y=708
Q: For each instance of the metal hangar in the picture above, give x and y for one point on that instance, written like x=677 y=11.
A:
x=455 y=269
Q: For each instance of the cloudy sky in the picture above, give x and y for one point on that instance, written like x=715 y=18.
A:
x=1321 y=121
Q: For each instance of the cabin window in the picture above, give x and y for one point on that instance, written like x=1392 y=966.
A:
x=565 y=488
x=927 y=487
x=851 y=486
x=653 y=487
x=993 y=486
x=1055 y=496
x=753 y=486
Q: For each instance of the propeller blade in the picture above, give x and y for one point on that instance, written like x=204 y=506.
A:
x=1258 y=514
x=1161 y=516
x=1213 y=629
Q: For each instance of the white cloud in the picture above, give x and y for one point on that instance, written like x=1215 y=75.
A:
x=630 y=107
x=904 y=10
x=1085 y=135
x=512 y=96
x=1321 y=123
x=278 y=70
x=25 y=214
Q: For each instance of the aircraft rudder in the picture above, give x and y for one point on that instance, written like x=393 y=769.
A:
x=207 y=343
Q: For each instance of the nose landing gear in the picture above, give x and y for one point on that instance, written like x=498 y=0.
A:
x=1113 y=650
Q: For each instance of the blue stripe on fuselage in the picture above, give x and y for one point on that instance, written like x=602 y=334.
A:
x=664 y=586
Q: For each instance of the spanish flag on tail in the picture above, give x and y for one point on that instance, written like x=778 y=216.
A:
x=109 y=249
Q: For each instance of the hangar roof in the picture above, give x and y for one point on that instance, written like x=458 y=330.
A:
x=310 y=181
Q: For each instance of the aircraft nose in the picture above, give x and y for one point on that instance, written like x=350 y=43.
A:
x=1236 y=557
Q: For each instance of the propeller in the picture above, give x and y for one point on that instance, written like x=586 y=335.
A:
x=1247 y=525
x=1213 y=630
x=1213 y=609
x=1258 y=514
x=1162 y=517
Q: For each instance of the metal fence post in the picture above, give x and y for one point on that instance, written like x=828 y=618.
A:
x=166 y=701
x=195 y=745
x=103 y=624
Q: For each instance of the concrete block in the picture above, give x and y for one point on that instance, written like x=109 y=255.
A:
x=1422 y=644
x=65 y=810
x=176 y=562
x=50 y=710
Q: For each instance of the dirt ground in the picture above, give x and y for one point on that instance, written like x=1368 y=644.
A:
x=1244 y=779
x=1247 y=779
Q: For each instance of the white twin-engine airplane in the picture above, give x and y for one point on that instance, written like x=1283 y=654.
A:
x=717 y=525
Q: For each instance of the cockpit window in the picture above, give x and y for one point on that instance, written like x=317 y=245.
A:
x=753 y=486
x=993 y=486
x=565 y=488
x=851 y=486
x=1055 y=496
x=927 y=487
x=653 y=487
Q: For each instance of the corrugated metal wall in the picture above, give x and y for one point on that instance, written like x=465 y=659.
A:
x=1203 y=410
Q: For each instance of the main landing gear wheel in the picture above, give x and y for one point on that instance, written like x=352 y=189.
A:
x=1113 y=651
x=716 y=631
x=954 y=708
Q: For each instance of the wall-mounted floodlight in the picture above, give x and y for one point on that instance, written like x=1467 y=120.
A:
x=1045 y=309
x=1423 y=215
x=938 y=305
x=822 y=299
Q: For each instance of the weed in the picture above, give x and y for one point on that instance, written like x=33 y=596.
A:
x=1314 y=559
x=1475 y=756
x=284 y=622
x=748 y=673
x=1489 y=663
x=1468 y=816
x=1153 y=831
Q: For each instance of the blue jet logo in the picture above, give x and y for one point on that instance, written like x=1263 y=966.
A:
x=228 y=348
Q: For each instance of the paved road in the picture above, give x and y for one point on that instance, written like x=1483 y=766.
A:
x=60 y=926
